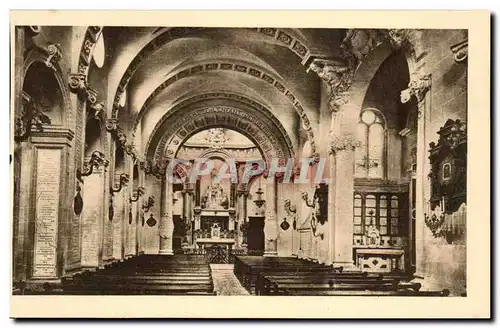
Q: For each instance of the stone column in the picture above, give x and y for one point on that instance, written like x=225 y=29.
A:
x=187 y=211
x=341 y=187
x=166 y=227
x=93 y=216
x=270 y=225
x=241 y=205
x=418 y=87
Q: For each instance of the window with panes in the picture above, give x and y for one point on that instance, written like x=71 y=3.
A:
x=370 y=158
x=387 y=211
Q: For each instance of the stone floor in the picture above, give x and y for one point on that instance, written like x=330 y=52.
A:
x=225 y=282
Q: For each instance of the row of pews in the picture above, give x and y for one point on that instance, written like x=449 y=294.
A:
x=297 y=277
x=146 y=275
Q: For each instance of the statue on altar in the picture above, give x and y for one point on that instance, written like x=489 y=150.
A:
x=215 y=197
x=215 y=231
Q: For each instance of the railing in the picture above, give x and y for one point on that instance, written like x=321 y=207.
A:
x=219 y=254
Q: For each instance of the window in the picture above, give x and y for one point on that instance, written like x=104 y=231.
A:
x=387 y=211
x=370 y=159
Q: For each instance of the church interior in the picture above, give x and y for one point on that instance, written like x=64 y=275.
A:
x=101 y=113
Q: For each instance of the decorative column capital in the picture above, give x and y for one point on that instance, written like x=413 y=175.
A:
x=358 y=43
x=346 y=142
x=77 y=82
x=398 y=37
x=418 y=87
x=111 y=124
x=338 y=76
x=54 y=55
x=91 y=95
x=460 y=51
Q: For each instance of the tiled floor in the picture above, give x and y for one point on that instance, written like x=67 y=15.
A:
x=225 y=282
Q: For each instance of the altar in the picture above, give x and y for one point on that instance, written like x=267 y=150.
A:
x=217 y=246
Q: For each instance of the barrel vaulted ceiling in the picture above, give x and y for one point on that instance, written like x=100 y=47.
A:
x=265 y=65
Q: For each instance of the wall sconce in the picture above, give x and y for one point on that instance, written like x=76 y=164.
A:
x=140 y=192
x=150 y=203
x=96 y=160
x=124 y=179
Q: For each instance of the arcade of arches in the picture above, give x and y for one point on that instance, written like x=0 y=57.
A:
x=100 y=112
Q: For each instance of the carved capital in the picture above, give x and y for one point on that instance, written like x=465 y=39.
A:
x=399 y=37
x=358 y=43
x=91 y=95
x=460 y=51
x=111 y=124
x=54 y=55
x=346 y=142
x=77 y=83
x=338 y=76
x=418 y=87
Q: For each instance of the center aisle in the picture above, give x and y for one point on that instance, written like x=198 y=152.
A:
x=225 y=282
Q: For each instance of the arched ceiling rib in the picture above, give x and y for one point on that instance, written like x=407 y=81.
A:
x=155 y=66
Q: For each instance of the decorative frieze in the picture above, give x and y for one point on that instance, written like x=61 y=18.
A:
x=460 y=51
x=273 y=143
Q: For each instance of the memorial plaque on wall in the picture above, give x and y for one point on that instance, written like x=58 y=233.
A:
x=47 y=213
x=117 y=233
x=91 y=218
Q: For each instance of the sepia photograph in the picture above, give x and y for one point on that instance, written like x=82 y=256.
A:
x=192 y=161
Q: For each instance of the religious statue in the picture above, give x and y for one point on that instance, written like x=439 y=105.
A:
x=215 y=197
x=215 y=231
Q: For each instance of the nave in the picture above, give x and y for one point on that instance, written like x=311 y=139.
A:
x=192 y=275
x=115 y=128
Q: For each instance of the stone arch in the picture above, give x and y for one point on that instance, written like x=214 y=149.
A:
x=282 y=36
x=205 y=111
x=369 y=67
x=40 y=56
x=92 y=34
x=242 y=68
x=218 y=153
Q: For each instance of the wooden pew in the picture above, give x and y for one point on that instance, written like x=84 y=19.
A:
x=442 y=293
x=152 y=275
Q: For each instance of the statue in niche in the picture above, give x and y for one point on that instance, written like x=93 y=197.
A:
x=215 y=231
x=215 y=197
